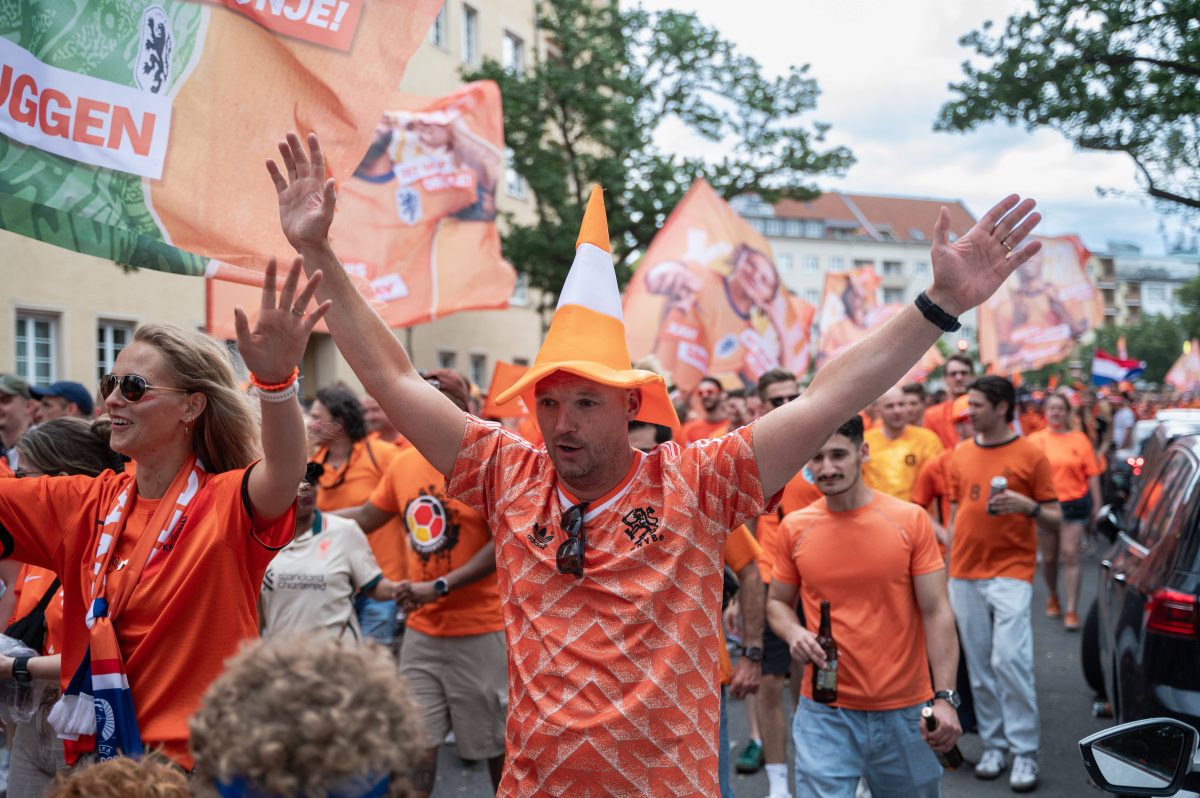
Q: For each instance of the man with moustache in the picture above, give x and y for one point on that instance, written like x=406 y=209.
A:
x=892 y=622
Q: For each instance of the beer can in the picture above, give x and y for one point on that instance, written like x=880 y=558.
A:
x=999 y=485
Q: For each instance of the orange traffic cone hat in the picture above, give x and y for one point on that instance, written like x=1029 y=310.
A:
x=587 y=333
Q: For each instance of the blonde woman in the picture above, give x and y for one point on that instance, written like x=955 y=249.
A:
x=161 y=570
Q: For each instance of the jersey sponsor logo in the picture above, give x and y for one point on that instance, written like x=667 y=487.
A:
x=541 y=536
x=430 y=527
x=641 y=525
x=408 y=206
x=684 y=331
x=910 y=460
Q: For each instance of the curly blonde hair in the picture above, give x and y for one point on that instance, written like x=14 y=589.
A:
x=297 y=716
x=152 y=776
x=227 y=432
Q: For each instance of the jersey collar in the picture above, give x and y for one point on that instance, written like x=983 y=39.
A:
x=568 y=500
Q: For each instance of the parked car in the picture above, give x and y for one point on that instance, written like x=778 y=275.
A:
x=1150 y=436
x=1146 y=757
x=1141 y=647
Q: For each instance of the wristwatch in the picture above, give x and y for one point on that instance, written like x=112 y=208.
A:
x=440 y=586
x=949 y=696
x=1036 y=511
x=21 y=670
x=753 y=653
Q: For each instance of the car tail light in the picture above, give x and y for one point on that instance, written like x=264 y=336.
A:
x=1172 y=613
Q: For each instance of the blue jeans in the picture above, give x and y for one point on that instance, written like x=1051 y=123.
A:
x=377 y=619
x=723 y=753
x=835 y=747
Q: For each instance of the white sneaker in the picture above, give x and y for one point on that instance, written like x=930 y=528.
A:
x=1024 y=776
x=991 y=764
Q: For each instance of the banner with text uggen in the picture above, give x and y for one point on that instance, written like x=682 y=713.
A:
x=137 y=131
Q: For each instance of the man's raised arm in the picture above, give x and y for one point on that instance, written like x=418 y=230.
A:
x=965 y=273
x=419 y=411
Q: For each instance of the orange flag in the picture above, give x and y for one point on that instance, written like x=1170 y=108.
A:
x=416 y=222
x=850 y=310
x=1041 y=311
x=707 y=299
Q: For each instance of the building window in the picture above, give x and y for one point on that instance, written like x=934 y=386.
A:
x=921 y=268
x=812 y=296
x=893 y=268
x=520 y=361
x=520 y=294
x=793 y=227
x=512 y=53
x=37 y=348
x=514 y=184
x=470 y=35
x=811 y=264
x=774 y=227
x=111 y=338
x=813 y=229
x=837 y=265
x=783 y=263
x=1156 y=292
x=860 y=263
x=437 y=34
x=478 y=368
x=447 y=359
x=893 y=296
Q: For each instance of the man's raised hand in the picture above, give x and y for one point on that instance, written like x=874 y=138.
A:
x=968 y=271
x=306 y=197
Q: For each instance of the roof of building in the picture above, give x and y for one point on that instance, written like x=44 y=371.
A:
x=880 y=217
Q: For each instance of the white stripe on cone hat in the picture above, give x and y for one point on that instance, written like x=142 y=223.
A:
x=587 y=334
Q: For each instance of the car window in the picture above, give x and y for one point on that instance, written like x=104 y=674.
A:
x=1160 y=495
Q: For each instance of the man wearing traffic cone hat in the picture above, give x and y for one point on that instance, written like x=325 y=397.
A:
x=608 y=559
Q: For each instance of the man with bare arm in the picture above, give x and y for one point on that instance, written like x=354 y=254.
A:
x=609 y=559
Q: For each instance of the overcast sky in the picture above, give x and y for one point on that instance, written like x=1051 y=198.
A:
x=883 y=68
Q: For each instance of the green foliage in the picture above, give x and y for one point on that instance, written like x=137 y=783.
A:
x=1115 y=75
x=1157 y=340
x=602 y=107
x=1188 y=296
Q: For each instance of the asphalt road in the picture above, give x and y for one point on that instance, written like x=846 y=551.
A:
x=1064 y=701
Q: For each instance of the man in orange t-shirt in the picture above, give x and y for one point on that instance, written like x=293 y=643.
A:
x=959 y=370
x=892 y=622
x=713 y=424
x=453 y=656
x=932 y=489
x=993 y=556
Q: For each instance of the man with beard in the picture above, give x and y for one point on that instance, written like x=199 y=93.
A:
x=893 y=625
x=959 y=370
x=609 y=559
x=714 y=423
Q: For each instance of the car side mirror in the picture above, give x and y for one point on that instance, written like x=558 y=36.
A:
x=1108 y=524
x=1146 y=757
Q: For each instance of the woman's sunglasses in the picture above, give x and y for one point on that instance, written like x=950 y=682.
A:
x=133 y=387
x=571 y=553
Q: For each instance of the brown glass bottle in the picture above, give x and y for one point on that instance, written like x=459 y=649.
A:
x=952 y=759
x=824 y=683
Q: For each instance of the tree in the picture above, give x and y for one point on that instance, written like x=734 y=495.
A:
x=1188 y=297
x=1112 y=75
x=601 y=108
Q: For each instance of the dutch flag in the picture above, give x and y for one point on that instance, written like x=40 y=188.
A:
x=1107 y=369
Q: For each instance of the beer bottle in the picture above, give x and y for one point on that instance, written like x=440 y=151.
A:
x=952 y=759
x=824 y=686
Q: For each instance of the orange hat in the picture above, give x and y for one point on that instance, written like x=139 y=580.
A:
x=959 y=409
x=587 y=334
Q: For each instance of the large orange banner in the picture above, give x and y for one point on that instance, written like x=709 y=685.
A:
x=1184 y=375
x=850 y=310
x=1041 y=311
x=416 y=222
x=707 y=299
x=138 y=132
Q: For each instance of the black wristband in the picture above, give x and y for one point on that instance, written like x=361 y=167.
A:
x=934 y=313
x=21 y=670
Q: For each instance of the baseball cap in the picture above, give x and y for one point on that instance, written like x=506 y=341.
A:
x=450 y=383
x=70 y=391
x=959 y=408
x=12 y=385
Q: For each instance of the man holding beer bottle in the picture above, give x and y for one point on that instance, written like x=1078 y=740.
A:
x=867 y=566
x=1000 y=487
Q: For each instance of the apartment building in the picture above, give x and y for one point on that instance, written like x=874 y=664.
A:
x=1135 y=286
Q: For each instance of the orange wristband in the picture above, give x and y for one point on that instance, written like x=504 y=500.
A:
x=271 y=388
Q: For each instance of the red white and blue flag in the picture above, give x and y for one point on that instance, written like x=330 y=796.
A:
x=1108 y=369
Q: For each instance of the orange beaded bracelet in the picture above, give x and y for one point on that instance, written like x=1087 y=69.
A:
x=271 y=388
